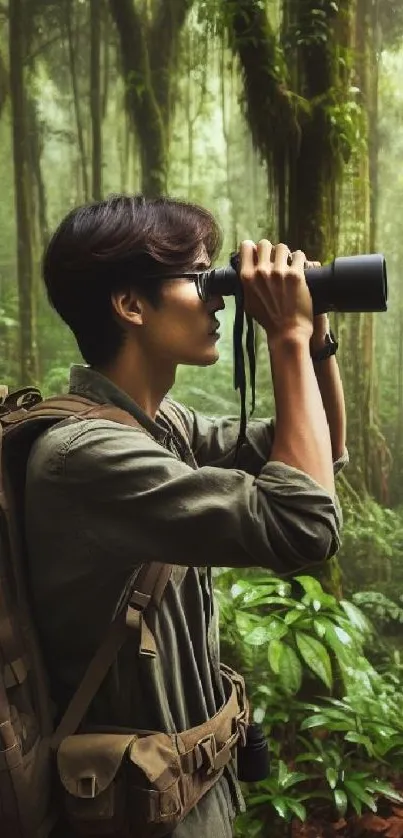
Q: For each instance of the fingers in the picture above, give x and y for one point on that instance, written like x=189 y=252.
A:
x=298 y=261
x=264 y=254
x=266 y=257
x=247 y=254
x=281 y=256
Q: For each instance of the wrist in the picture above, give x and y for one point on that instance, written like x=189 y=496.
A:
x=321 y=328
x=324 y=350
x=290 y=343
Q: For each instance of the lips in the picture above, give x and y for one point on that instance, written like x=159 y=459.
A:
x=216 y=327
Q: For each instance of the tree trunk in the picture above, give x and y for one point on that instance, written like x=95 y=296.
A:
x=149 y=53
x=4 y=84
x=140 y=97
x=68 y=6
x=28 y=361
x=95 y=97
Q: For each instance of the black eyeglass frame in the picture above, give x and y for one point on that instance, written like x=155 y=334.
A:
x=200 y=278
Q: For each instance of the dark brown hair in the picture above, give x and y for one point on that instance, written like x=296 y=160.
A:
x=111 y=245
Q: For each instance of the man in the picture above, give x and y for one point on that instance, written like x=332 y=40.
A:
x=102 y=498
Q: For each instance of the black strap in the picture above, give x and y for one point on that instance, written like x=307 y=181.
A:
x=239 y=361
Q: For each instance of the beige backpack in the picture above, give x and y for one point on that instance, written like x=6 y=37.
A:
x=126 y=784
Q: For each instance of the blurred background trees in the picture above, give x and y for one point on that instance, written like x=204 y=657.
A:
x=283 y=117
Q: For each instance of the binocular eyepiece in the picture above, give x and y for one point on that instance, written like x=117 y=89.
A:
x=348 y=284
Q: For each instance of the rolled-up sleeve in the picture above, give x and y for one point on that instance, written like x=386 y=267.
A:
x=214 y=440
x=141 y=503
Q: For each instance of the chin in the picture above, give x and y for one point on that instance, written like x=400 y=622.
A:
x=207 y=359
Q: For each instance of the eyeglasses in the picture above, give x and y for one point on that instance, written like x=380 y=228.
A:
x=200 y=278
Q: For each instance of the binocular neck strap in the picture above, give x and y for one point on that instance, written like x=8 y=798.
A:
x=239 y=360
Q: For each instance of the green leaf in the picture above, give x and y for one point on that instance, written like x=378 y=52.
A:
x=294 y=615
x=315 y=656
x=319 y=628
x=360 y=739
x=257 y=637
x=274 y=654
x=341 y=801
x=356 y=803
x=355 y=616
x=298 y=809
x=276 y=629
x=290 y=670
x=281 y=805
x=360 y=793
x=380 y=787
x=332 y=775
x=293 y=778
x=311 y=586
x=272 y=629
x=318 y=720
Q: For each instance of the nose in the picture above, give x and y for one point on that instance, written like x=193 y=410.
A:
x=216 y=303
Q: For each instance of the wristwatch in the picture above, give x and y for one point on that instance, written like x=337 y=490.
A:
x=330 y=348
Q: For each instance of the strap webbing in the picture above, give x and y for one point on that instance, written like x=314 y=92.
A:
x=150 y=586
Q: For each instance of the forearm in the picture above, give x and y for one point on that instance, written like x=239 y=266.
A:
x=302 y=437
x=332 y=393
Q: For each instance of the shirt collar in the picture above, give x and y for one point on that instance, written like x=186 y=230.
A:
x=84 y=381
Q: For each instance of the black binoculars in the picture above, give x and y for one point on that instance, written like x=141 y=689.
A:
x=349 y=283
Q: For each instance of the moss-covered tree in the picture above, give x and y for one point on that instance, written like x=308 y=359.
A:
x=149 y=53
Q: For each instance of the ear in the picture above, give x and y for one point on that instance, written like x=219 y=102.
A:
x=128 y=306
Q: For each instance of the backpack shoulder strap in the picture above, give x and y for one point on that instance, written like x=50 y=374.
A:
x=58 y=408
x=150 y=586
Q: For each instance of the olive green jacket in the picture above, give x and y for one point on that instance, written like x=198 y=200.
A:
x=102 y=498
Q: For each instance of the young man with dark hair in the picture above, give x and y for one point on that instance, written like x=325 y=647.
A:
x=103 y=499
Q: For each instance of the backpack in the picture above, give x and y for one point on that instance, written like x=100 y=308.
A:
x=126 y=784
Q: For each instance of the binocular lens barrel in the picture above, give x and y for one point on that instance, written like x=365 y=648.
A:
x=348 y=284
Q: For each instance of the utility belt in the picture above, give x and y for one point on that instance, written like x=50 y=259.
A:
x=144 y=783
x=132 y=783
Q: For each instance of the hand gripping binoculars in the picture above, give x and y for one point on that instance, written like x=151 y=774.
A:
x=348 y=284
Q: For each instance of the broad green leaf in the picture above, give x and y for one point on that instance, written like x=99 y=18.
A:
x=245 y=622
x=355 y=802
x=267 y=600
x=355 y=616
x=294 y=615
x=360 y=739
x=308 y=756
x=319 y=628
x=274 y=654
x=276 y=629
x=332 y=775
x=290 y=670
x=380 y=787
x=360 y=792
x=311 y=586
x=280 y=805
x=315 y=656
x=298 y=809
x=292 y=778
x=341 y=801
x=257 y=637
x=318 y=720
x=343 y=636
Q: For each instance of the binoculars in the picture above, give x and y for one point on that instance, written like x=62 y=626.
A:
x=349 y=283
